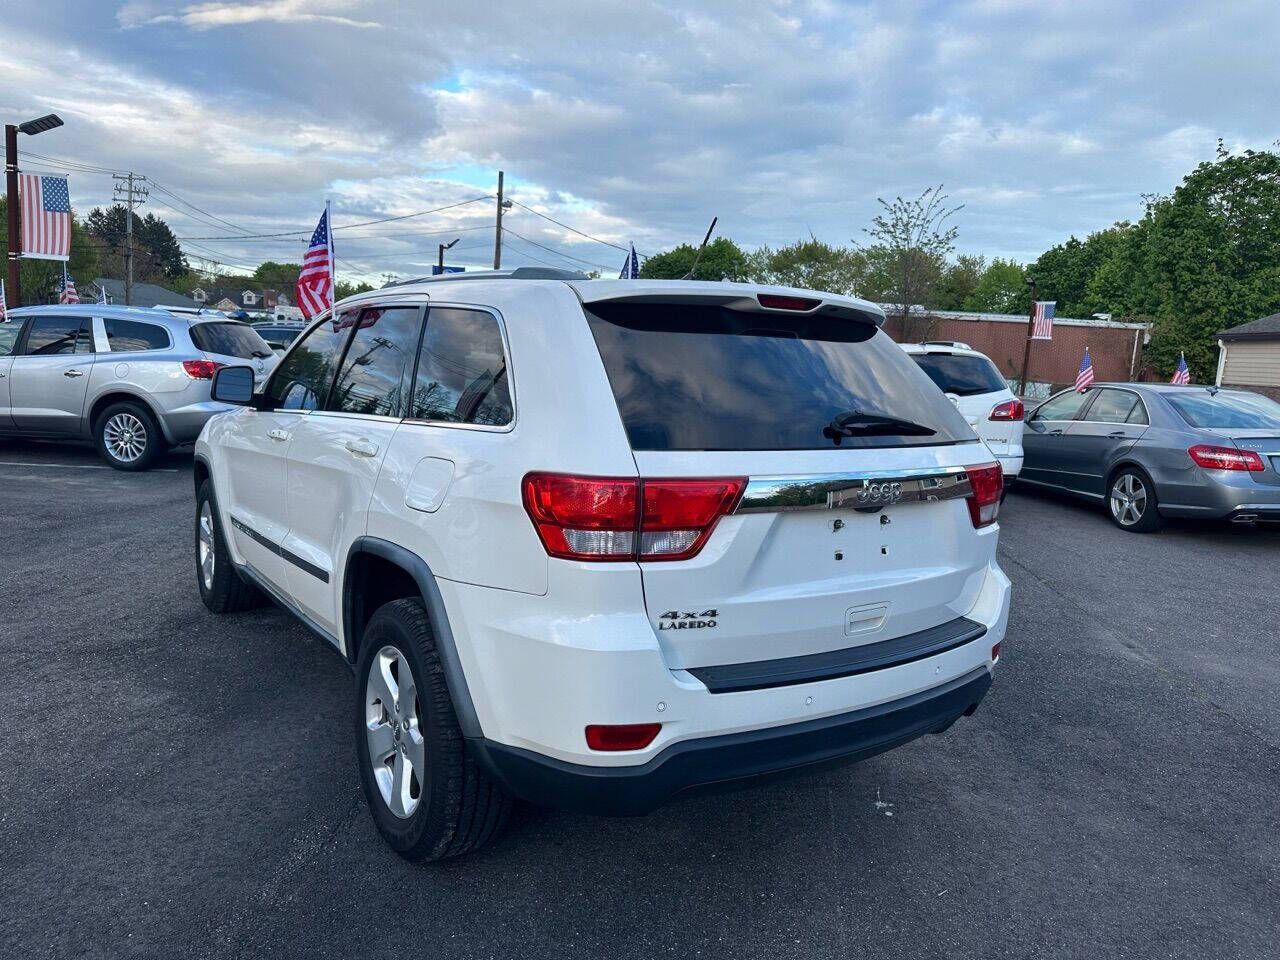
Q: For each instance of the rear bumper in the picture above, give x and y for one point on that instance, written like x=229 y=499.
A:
x=708 y=763
x=1218 y=495
x=183 y=424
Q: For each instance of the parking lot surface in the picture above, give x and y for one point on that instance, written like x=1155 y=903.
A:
x=178 y=784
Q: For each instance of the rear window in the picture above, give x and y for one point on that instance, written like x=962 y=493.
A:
x=691 y=377
x=129 y=336
x=1228 y=411
x=962 y=375
x=231 y=339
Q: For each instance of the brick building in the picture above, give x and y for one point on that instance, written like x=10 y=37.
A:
x=1114 y=346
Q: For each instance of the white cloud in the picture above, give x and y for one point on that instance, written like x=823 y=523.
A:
x=207 y=16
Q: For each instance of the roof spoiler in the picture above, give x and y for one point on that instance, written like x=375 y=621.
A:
x=788 y=302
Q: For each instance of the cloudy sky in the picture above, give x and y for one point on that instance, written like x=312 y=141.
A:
x=633 y=121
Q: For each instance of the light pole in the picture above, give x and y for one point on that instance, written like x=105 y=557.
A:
x=30 y=128
x=1031 y=331
x=443 y=248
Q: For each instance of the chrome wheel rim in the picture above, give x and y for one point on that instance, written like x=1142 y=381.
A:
x=393 y=728
x=1128 y=500
x=125 y=437
x=204 y=545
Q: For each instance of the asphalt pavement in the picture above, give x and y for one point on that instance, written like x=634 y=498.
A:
x=176 y=784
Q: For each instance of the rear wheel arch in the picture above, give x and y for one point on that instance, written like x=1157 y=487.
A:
x=378 y=572
x=121 y=396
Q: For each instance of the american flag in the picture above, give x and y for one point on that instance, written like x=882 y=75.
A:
x=1181 y=376
x=46 y=217
x=315 y=282
x=1085 y=376
x=631 y=266
x=1042 y=328
x=4 y=309
x=68 y=294
x=102 y=295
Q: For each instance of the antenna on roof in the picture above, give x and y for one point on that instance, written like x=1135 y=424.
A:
x=689 y=275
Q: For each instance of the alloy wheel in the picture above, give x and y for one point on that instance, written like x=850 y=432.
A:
x=125 y=437
x=1128 y=499
x=393 y=727
x=205 y=545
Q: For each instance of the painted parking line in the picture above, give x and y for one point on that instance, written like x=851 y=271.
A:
x=74 y=466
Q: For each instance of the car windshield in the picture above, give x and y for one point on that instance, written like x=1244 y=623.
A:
x=960 y=373
x=229 y=339
x=1232 y=411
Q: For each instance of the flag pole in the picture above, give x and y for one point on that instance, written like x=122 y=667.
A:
x=333 y=260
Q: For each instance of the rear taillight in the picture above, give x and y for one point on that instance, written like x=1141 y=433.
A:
x=200 y=369
x=621 y=736
x=622 y=518
x=987 y=483
x=1225 y=458
x=1009 y=410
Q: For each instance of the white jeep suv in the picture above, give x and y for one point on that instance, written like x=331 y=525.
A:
x=593 y=543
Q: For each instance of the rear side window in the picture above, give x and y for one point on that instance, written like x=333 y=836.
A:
x=960 y=373
x=693 y=377
x=1228 y=411
x=50 y=336
x=9 y=331
x=301 y=381
x=1064 y=406
x=229 y=339
x=376 y=370
x=462 y=370
x=128 y=336
x=1112 y=406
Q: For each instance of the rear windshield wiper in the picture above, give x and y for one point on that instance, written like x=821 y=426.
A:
x=855 y=423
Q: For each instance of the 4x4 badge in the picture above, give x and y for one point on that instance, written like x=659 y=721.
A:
x=687 y=620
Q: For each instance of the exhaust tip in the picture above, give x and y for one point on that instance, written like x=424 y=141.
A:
x=1245 y=518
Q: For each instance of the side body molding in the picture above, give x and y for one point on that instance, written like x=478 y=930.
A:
x=446 y=647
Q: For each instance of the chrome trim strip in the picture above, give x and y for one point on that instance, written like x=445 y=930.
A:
x=852 y=491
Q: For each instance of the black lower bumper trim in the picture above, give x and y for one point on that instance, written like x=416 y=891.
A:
x=714 y=762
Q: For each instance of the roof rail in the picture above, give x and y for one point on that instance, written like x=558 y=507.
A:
x=518 y=273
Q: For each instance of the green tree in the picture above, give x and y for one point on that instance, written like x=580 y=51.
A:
x=1001 y=289
x=42 y=279
x=277 y=276
x=1064 y=272
x=722 y=260
x=811 y=264
x=344 y=288
x=958 y=282
x=157 y=257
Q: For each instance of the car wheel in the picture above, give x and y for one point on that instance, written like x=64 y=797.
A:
x=128 y=436
x=221 y=587
x=428 y=797
x=1131 y=501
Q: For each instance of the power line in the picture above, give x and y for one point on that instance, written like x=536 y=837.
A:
x=590 y=263
x=574 y=229
x=350 y=226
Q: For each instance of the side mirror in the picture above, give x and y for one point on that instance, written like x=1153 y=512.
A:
x=233 y=385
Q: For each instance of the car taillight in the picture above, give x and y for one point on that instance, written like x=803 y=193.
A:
x=1009 y=410
x=1225 y=458
x=621 y=736
x=623 y=518
x=987 y=483
x=200 y=369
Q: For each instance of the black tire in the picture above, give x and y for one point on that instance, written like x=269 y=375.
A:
x=134 y=417
x=1147 y=505
x=458 y=809
x=224 y=591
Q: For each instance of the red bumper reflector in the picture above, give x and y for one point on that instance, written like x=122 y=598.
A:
x=621 y=736
x=995 y=652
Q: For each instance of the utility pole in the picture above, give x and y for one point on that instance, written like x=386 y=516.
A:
x=126 y=190
x=497 y=236
x=11 y=193
x=1026 y=350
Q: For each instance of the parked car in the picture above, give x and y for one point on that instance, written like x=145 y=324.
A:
x=1149 y=451
x=133 y=380
x=975 y=385
x=594 y=543
x=279 y=335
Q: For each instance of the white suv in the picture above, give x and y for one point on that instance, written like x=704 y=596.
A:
x=593 y=543
x=975 y=385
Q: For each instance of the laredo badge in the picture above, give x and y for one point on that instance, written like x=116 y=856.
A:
x=687 y=620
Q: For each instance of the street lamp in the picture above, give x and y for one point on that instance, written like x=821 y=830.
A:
x=30 y=128
x=443 y=248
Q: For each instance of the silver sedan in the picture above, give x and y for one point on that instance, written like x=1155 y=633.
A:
x=1149 y=451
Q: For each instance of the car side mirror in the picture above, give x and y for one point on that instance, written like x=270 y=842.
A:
x=233 y=385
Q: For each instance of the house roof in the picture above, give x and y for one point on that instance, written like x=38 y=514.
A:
x=144 y=294
x=1265 y=327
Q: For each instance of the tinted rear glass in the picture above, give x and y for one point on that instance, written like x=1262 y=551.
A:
x=231 y=339
x=959 y=374
x=690 y=377
x=1229 y=411
x=127 y=336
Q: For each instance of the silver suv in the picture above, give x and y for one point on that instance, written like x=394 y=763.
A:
x=133 y=380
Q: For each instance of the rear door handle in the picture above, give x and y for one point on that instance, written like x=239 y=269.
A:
x=73 y=373
x=362 y=448
x=1055 y=433
x=1117 y=434
x=277 y=434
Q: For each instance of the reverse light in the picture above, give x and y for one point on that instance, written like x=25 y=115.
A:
x=776 y=301
x=987 y=483
x=1225 y=458
x=1009 y=410
x=621 y=736
x=624 y=518
x=200 y=369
